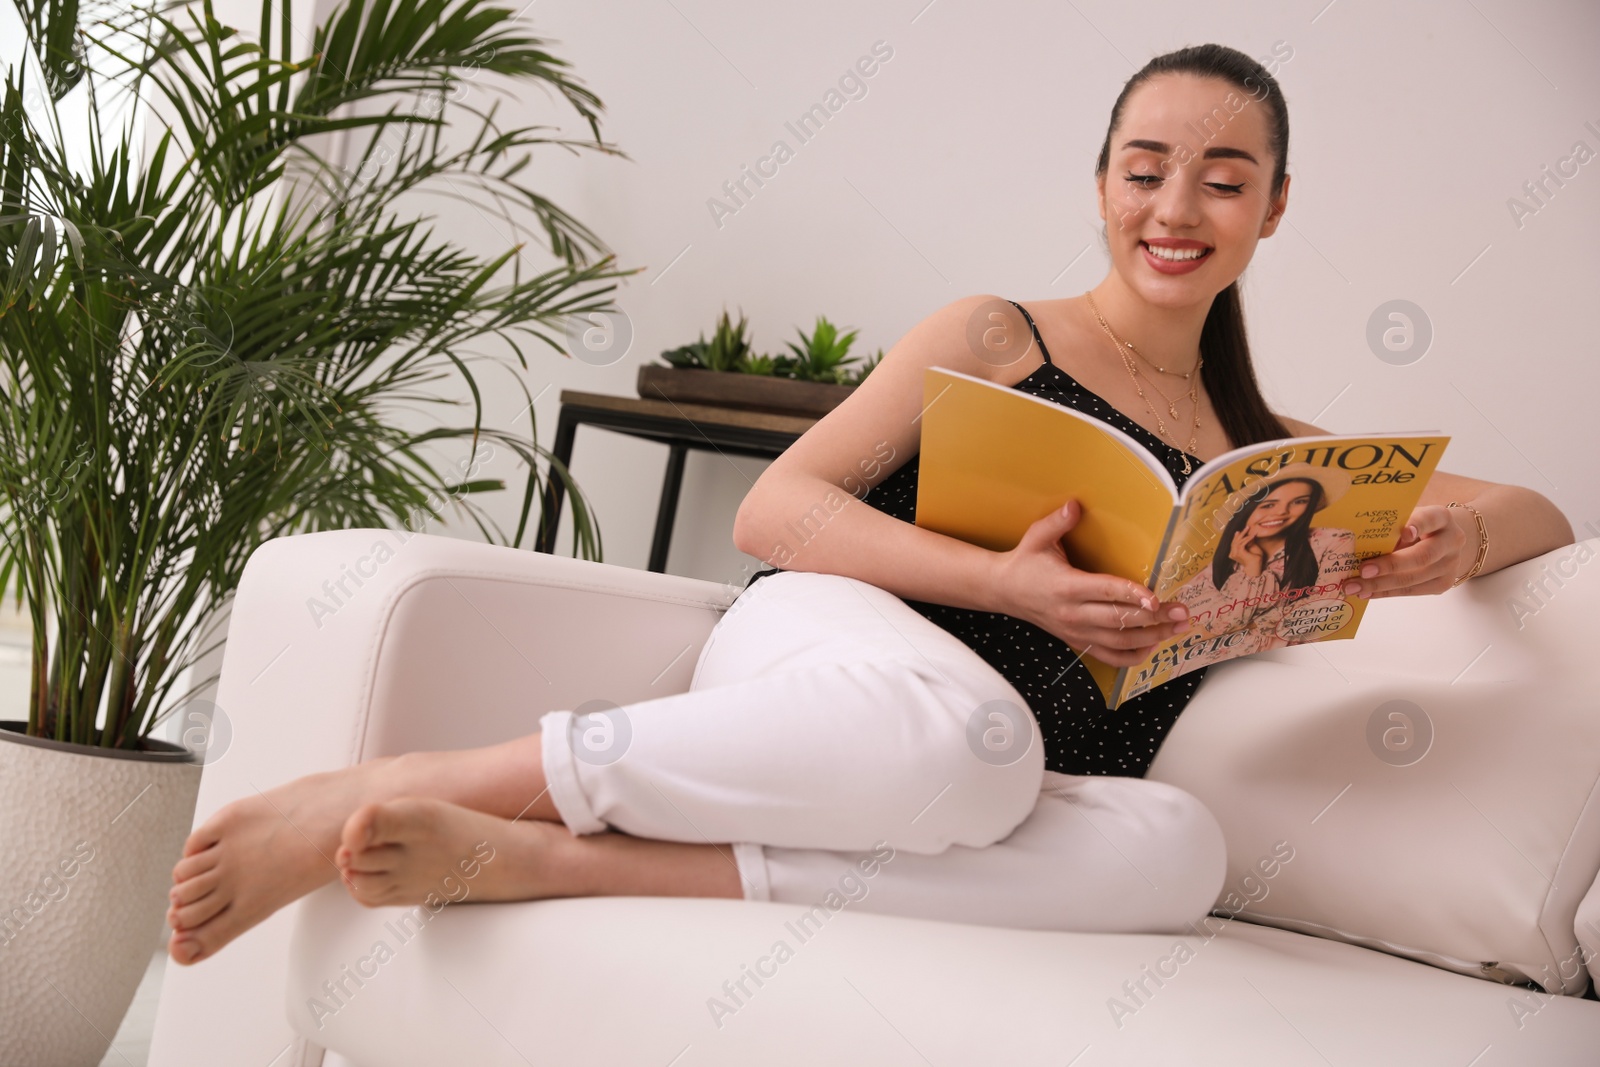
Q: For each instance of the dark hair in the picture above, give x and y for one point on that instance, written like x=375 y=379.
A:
x=1227 y=372
x=1300 y=568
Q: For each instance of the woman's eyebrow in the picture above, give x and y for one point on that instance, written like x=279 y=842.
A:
x=1214 y=152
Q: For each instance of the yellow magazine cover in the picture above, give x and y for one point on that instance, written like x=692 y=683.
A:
x=994 y=460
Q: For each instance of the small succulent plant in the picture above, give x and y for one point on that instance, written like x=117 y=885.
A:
x=757 y=365
x=819 y=357
x=690 y=355
x=728 y=349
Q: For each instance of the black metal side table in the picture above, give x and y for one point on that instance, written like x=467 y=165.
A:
x=681 y=427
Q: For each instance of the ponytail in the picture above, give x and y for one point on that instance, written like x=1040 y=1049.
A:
x=1229 y=376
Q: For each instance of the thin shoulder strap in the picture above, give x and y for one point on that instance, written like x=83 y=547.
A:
x=1043 y=351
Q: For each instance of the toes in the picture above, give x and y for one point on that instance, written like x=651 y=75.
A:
x=192 y=889
x=208 y=834
x=361 y=828
x=184 y=950
x=392 y=822
x=370 y=890
x=189 y=916
x=192 y=946
x=200 y=840
x=190 y=866
x=378 y=859
x=379 y=842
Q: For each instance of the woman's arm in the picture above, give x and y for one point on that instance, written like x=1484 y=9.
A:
x=1521 y=524
x=805 y=512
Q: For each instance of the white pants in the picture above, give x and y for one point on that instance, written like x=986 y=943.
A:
x=846 y=745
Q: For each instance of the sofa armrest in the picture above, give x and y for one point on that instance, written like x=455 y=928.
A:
x=350 y=644
x=1436 y=780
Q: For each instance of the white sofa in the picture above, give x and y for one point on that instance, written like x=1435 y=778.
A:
x=1371 y=857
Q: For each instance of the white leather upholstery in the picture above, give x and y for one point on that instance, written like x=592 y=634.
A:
x=1587 y=927
x=452 y=644
x=444 y=644
x=1476 y=853
x=628 y=981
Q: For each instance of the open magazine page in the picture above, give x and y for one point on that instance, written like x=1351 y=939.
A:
x=994 y=460
x=1263 y=540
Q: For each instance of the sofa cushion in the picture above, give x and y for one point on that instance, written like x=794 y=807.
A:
x=643 y=980
x=1435 y=777
x=1587 y=927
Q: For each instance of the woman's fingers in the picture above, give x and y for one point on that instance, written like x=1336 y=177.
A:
x=1114 y=590
x=1124 y=614
x=1125 y=617
x=1123 y=631
x=1422 y=561
x=1120 y=621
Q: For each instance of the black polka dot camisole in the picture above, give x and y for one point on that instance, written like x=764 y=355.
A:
x=1080 y=735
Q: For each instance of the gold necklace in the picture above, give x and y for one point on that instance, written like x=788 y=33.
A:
x=1172 y=405
x=1132 y=369
x=1184 y=374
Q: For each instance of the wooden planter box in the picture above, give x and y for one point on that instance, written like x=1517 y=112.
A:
x=756 y=392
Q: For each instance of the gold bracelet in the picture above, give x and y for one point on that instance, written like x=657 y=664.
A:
x=1483 y=542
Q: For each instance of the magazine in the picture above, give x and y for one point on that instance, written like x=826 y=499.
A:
x=1256 y=545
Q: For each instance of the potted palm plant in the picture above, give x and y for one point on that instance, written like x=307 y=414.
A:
x=813 y=381
x=206 y=339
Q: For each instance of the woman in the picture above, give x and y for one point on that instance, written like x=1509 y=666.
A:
x=1272 y=571
x=895 y=717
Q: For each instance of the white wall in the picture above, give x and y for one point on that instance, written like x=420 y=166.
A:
x=967 y=167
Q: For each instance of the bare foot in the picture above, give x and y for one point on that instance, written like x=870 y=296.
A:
x=418 y=850
x=260 y=853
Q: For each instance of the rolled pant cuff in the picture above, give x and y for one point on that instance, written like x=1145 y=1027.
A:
x=561 y=774
x=751 y=860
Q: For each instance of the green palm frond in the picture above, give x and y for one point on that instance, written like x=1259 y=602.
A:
x=205 y=346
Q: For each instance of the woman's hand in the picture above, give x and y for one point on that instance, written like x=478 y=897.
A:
x=1427 y=558
x=1247 y=552
x=1119 y=620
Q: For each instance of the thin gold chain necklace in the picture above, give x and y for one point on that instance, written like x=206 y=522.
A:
x=1132 y=369
x=1184 y=374
x=1172 y=405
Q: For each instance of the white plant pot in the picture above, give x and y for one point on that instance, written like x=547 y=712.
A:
x=89 y=837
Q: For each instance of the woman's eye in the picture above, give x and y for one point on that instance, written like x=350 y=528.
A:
x=1144 y=180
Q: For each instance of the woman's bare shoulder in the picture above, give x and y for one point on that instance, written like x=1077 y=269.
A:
x=975 y=335
x=878 y=426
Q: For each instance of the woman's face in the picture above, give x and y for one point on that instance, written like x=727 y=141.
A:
x=1196 y=151
x=1279 y=509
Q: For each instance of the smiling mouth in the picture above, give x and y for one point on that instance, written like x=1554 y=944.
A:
x=1274 y=524
x=1176 y=255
